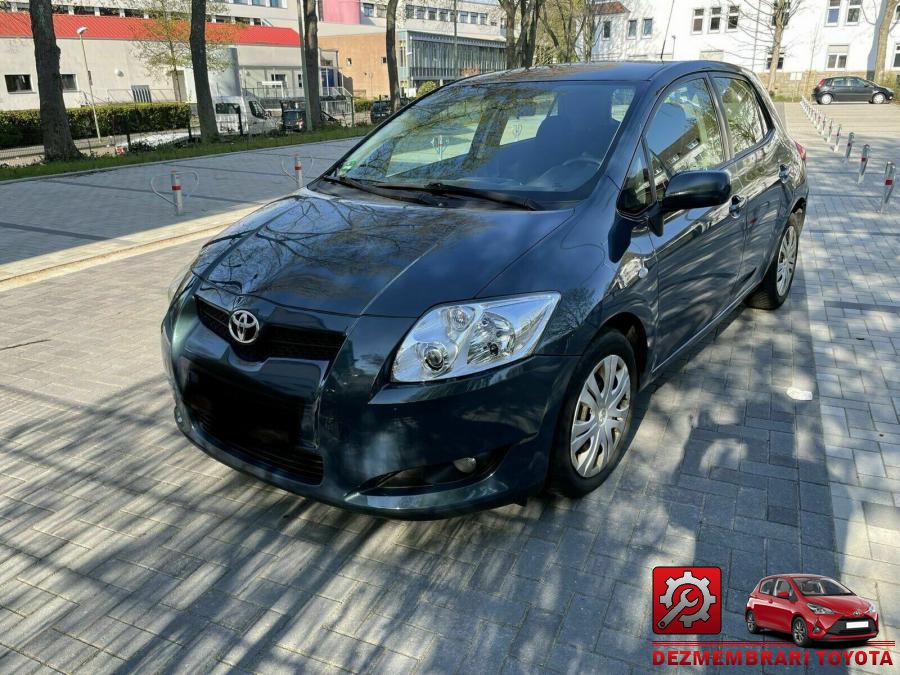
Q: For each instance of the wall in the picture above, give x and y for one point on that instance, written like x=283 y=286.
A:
x=364 y=73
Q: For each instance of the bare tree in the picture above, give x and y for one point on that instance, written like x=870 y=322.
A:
x=390 y=37
x=566 y=24
x=885 y=22
x=209 y=131
x=522 y=19
x=781 y=14
x=311 y=61
x=58 y=143
x=764 y=27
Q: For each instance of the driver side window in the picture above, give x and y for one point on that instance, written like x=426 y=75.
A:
x=684 y=133
x=783 y=586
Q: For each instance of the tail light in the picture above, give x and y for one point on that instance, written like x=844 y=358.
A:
x=821 y=84
x=801 y=150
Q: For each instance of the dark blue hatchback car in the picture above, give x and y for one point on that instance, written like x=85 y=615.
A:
x=462 y=310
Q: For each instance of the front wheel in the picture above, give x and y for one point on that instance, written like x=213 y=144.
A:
x=826 y=99
x=595 y=421
x=878 y=98
x=800 y=633
x=776 y=284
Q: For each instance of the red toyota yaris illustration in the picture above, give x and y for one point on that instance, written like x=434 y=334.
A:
x=810 y=607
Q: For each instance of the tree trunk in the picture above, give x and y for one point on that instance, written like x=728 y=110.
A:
x=58 y=143
x=209 y=131
x=531 y=40
x=884 y=29
x=390 y=46
x=779 y=16
x=311 y=76
x=509 y=7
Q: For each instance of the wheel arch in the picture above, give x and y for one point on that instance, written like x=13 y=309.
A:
x=632 y=327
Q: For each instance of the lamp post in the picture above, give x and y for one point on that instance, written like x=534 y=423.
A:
x=81 y=31
x=673 y=47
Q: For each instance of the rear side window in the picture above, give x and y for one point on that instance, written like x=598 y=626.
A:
x=636 y=195
x=766 y=586
x=742 y=113
x=684 y=132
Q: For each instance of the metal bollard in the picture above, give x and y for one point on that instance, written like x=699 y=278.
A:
x=888 y=184
x=837 y=139
x=298 y=171
x=177 y=197
x=849 y=147
x=863 y=161
x=830 y=127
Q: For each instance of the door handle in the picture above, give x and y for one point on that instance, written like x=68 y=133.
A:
x=784 y=173
x=737 y=204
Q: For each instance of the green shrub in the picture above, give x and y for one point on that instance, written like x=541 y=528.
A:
x=426 y=87
x=23 y=127
x=362 y=104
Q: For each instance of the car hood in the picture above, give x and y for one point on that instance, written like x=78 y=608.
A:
x=842 y=604
x=387 y=258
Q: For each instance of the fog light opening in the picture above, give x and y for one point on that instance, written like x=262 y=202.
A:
x=466 y=464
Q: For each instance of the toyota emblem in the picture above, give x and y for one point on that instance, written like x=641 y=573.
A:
x=243 y=327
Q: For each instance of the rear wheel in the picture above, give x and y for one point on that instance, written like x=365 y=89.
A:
x=826 y=99
x=878 y=98
x=775 y=286
x=595 y=421
x=752 y=626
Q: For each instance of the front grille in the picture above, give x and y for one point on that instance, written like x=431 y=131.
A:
x=265 y=429
x=274 y=341
x=840 y=627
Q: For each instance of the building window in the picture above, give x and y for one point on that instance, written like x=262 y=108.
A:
x=780 y=60
x=734 y=14
x=349 y=61
x=69 y=82
x=18 y=83
x=833 y=15
x=464 y=17
x=420 y=12
x=697 y=21
x=383 y=60
x=647 y=28
x=606 y=30
x=632 y=29
x=715 y=19
x=432 y=14
x=837 y=57
x=239 y=2
x=853 y=11
x=110 y=11
x=482 y=19
x=278 y=4
x=368 y=9
x=258 y=3
x=897 y=55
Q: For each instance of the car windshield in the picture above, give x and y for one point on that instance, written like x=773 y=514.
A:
x=543 y=140
x=819 y=586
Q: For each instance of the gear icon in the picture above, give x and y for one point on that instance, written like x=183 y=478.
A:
x=688 y=579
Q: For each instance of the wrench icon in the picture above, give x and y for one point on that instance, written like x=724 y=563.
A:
x=683 y=603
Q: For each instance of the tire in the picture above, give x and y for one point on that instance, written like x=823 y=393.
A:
x=826 y=99
x=752 y=626
x=878 y=98
x=772 y=292
x=573 y=472
x=800 y=633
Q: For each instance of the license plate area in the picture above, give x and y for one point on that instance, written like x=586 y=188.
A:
x=857 y=624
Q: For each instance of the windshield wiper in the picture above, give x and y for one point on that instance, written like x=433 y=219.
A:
x=450 y=189
x=374 y=188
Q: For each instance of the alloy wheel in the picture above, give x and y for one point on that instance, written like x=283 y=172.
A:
x=878 y=98
x=600 y=415
x=799 y=631
x=826 y=99
x=751 y=622
x=787 y=260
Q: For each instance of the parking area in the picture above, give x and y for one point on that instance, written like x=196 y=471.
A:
x=122 y=547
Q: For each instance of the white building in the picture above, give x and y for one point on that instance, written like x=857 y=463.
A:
x=823 y=37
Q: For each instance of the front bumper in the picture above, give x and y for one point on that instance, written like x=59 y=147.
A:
x=357 y=429
x=833 y=628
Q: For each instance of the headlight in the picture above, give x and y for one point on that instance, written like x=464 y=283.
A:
x=818 y=609
x=181 y=280
x=871 y=609
x=456 y=340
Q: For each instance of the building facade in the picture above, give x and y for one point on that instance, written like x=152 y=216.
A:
x=823 y=37
x=251 y=12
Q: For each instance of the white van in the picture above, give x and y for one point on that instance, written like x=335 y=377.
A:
x=242 y=115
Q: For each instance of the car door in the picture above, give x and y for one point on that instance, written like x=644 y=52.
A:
x=762 y=608
x=761 y=162
x=699 y=251
x=860 y=89
x=840 y=89
x=783 y=608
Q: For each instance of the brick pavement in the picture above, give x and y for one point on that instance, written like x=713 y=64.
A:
x=122 y=547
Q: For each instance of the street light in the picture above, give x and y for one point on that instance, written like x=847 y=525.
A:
x=81 y=31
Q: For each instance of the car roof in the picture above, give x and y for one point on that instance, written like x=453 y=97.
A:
x=602 y=70
x=797 y=574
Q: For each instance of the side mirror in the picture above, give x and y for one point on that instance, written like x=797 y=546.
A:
x=696 y=189
x=783 y=594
